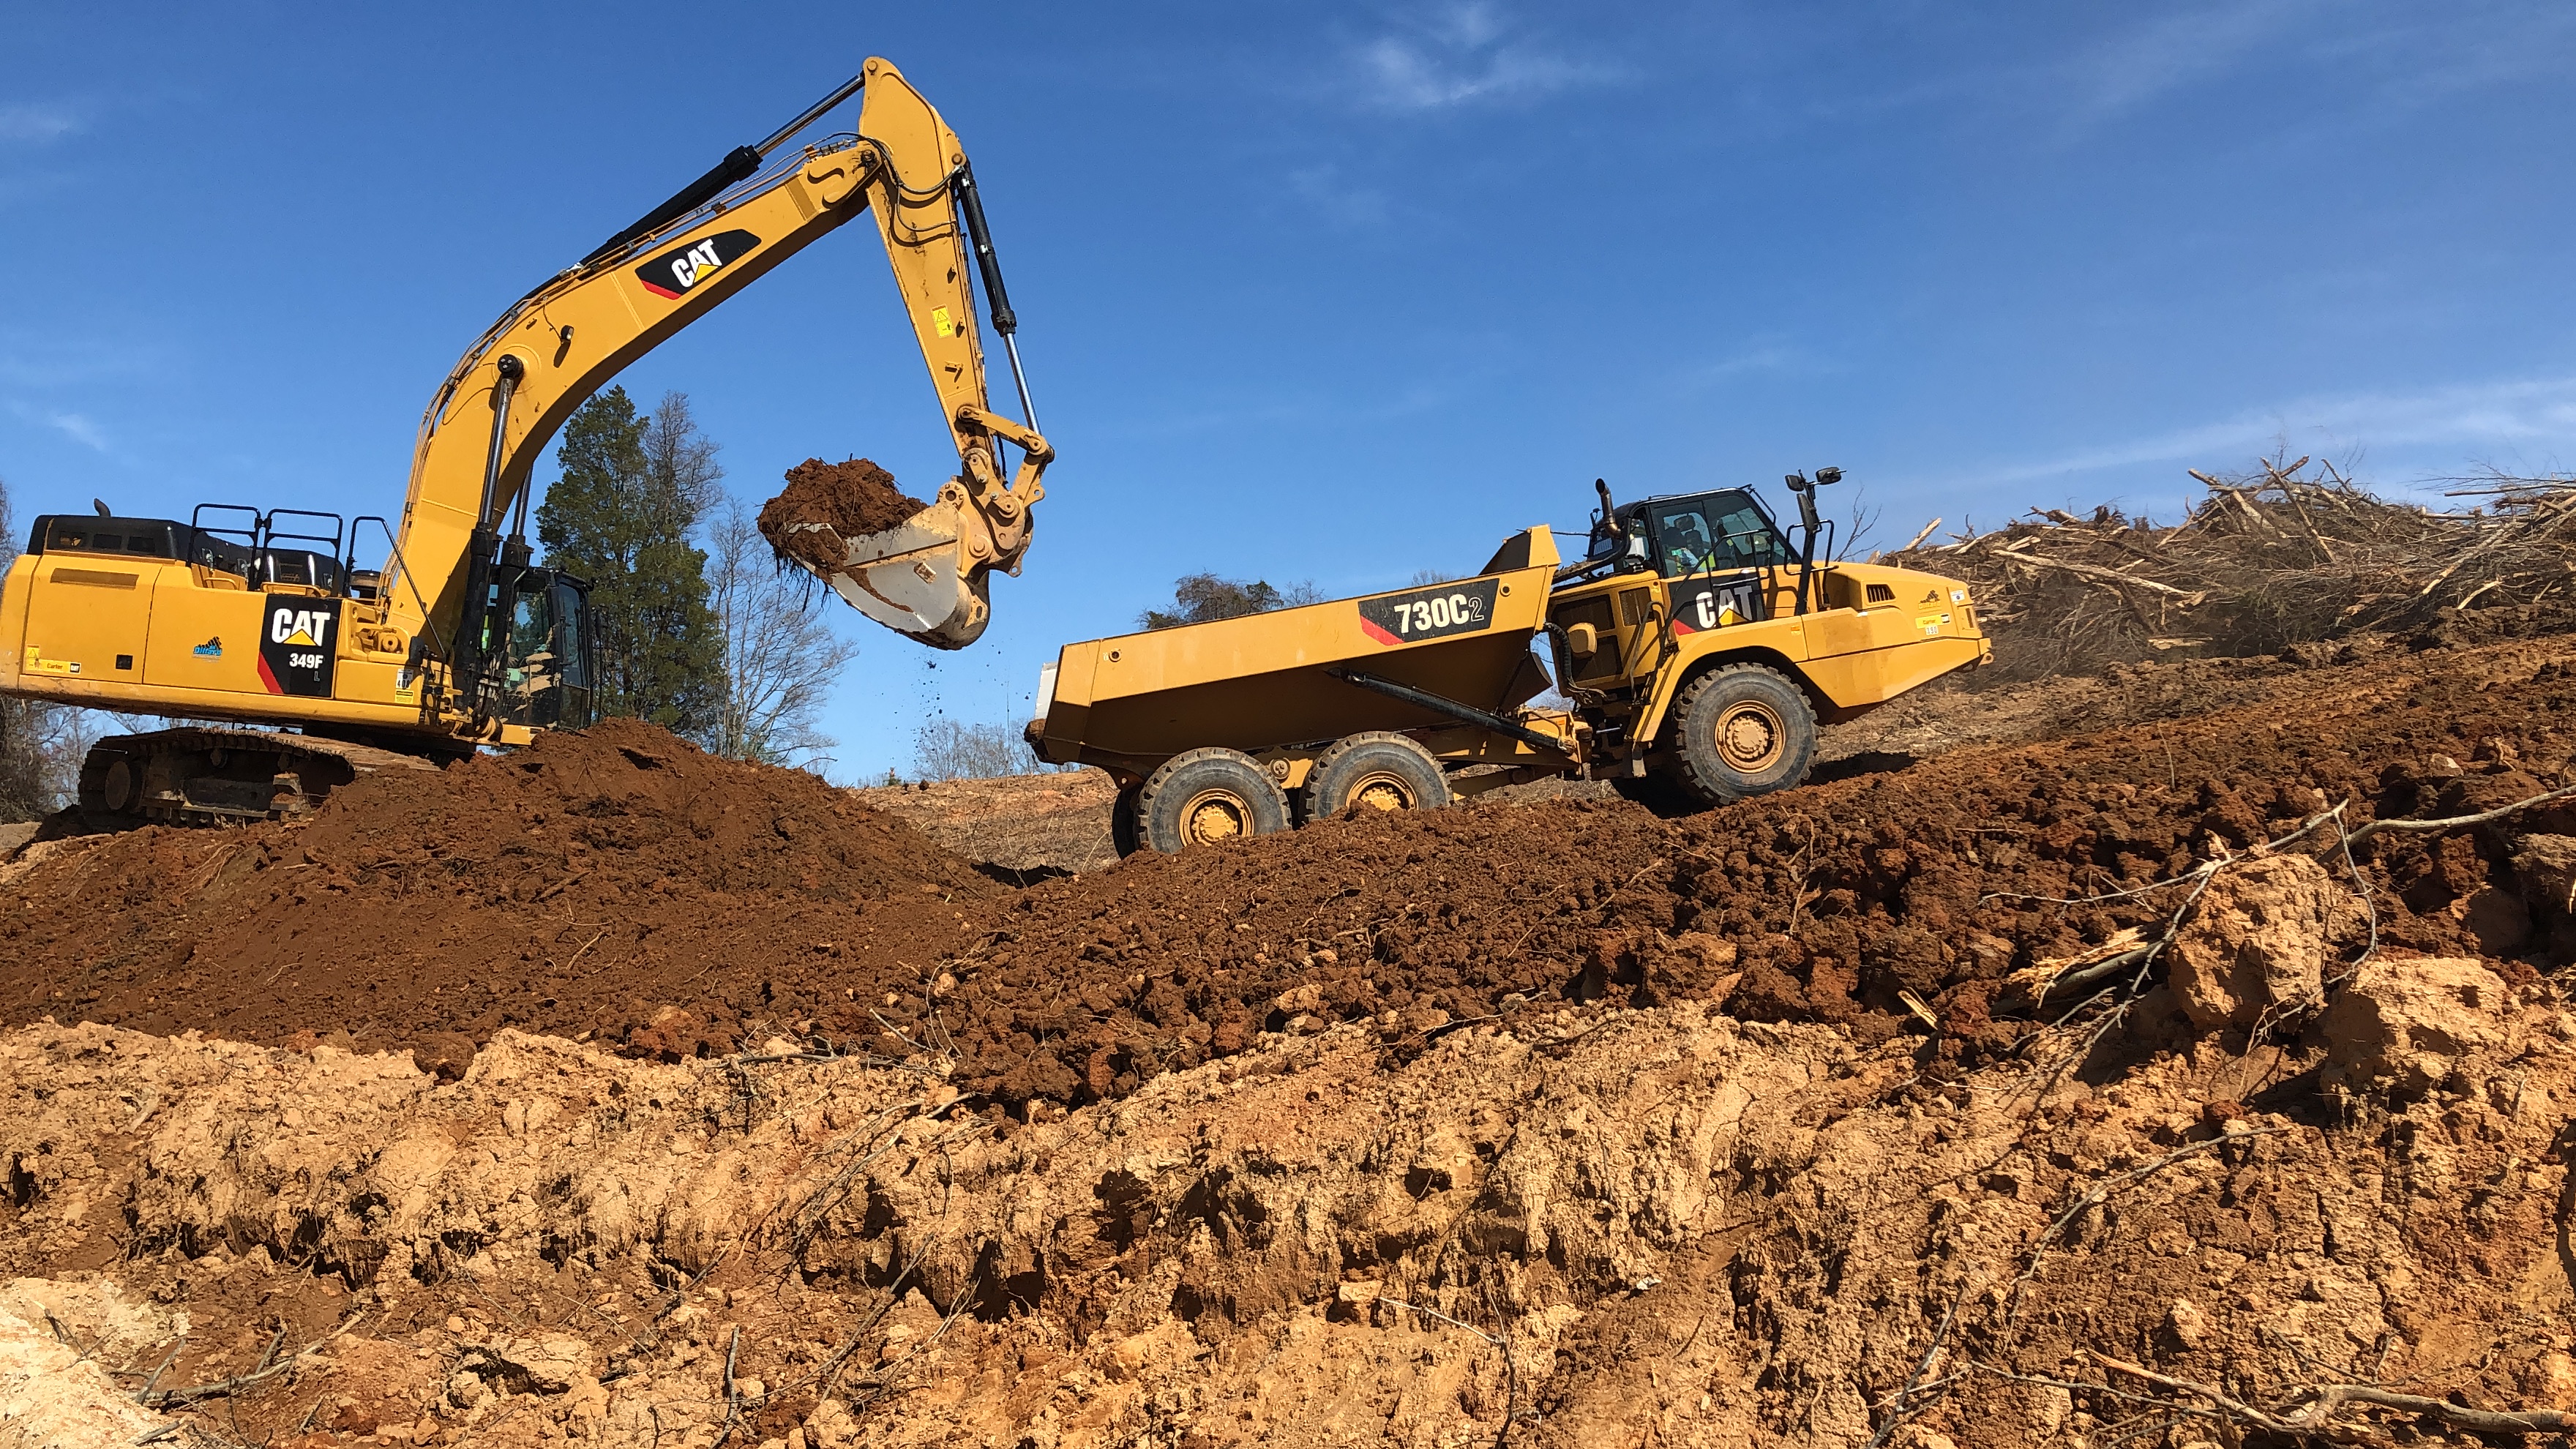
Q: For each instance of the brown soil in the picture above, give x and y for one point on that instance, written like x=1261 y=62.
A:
x=1642 y=1226
x=579 y=886
x=1027 y=827
x=1703 y=1127
x=1822 y=904
x=850 y=499
x=601 y=882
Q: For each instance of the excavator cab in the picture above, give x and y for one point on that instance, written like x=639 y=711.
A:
x=538 y=636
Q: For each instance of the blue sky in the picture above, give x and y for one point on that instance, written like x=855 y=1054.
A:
x=1330 y=292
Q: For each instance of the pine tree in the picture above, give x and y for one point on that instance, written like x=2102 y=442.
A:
x=631 y=489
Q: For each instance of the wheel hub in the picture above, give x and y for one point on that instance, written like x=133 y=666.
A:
x=1215 y=816
x=1750 y=737
x=1382 y=792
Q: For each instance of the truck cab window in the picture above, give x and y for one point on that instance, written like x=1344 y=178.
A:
x=1715 y=533
x=1683 y=543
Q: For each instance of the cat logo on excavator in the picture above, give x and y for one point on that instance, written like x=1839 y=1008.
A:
x=675 y=272
x=295 y=654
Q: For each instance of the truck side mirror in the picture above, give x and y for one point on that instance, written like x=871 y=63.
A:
x=1582 y=640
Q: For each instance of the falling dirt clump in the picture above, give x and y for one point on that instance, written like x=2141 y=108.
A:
x=827 y=503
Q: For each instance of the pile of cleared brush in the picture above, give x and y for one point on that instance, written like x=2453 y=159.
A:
x=2269 y=560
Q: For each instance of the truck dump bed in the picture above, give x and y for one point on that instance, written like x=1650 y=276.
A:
x=1263 y=681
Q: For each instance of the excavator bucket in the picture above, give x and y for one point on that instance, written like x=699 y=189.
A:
x=916 y=568
x=915 y=578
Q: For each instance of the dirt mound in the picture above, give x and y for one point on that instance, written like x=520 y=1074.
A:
x=621 y=884
x=847 y=499
x=1030 y=826
x=582 y=885
x=1941 y=880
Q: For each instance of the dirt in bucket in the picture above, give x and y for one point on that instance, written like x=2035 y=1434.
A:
x=849 y=499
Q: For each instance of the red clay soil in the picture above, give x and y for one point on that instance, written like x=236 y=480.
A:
x=619 y=882
x=1819 y=904
x=577 y=886
x=851 y=499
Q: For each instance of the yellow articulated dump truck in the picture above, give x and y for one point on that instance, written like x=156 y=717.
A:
x=1694 y=651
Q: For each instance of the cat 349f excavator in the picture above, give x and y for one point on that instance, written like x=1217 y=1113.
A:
x=262 y=617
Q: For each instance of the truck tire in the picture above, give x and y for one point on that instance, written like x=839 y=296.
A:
x=1205 y=796
x=1741 y=730
x=1378 y=769
x=1123 y=836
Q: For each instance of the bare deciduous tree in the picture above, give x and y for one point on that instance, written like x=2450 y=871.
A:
x=780 y=658
x=1198 y=598
x=680 y=459
x=947 y=749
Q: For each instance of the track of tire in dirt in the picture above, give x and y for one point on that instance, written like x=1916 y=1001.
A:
x=620 y=885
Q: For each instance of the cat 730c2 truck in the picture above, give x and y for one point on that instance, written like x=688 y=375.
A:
x=1694 y=651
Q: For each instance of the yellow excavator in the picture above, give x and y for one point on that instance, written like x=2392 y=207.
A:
x=262 y=616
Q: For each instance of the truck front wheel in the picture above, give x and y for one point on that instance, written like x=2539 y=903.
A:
x=1206 y=796
x=1742 y=730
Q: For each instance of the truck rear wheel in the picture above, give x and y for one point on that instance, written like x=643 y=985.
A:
x=1206 y=796
x=1378 y=769
x=1742 y=730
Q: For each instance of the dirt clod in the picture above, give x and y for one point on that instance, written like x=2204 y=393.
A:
x=2404 y=1025
x=2259 y=940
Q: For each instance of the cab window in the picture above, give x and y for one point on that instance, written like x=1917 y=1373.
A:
x=574 y=662
x=532 y=628
x=1714 y=533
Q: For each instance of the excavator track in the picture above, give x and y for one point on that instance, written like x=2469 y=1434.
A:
x=212 y=776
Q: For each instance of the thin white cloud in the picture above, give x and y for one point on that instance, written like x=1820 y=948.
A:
x=78 y=427
x=36 y=122
x=2513 y=414
x=1761 y=357
x=2416 y=56
x=1330 y=194
x=1463 y=54
x=2137 y=65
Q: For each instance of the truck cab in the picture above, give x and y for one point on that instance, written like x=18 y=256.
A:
x=1676 y=589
